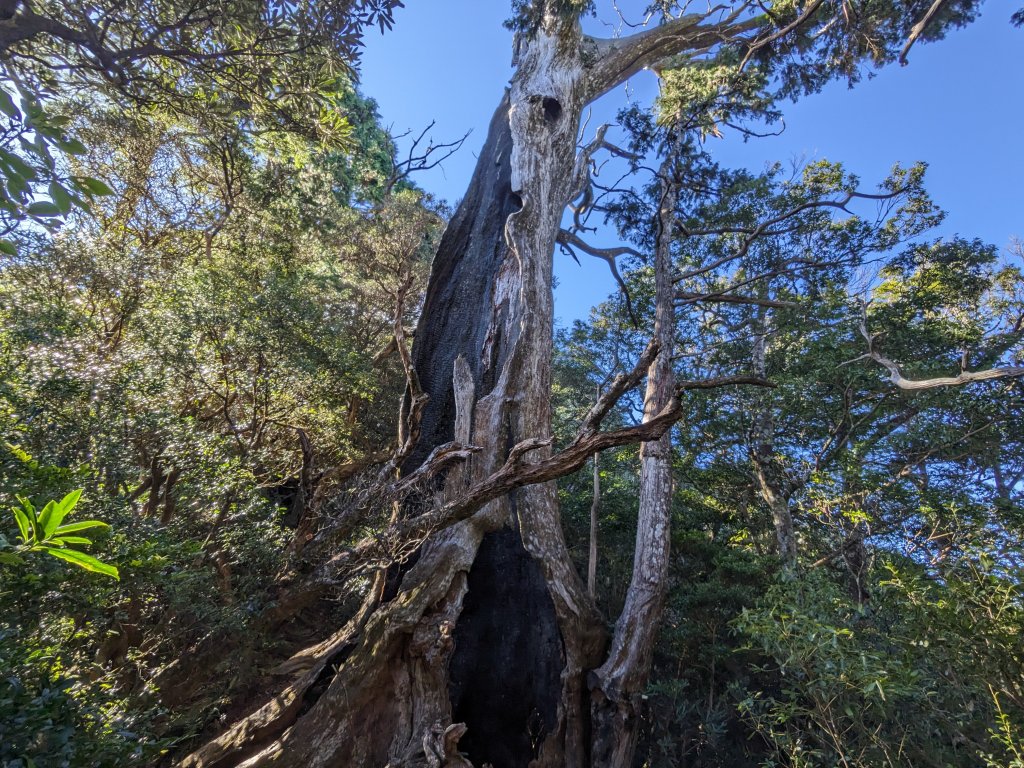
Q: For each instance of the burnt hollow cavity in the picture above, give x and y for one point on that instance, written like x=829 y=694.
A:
x=505 y=672
x=552 y=110
x=324 y=679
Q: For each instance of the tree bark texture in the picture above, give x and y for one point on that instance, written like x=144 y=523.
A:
x=491 y=625
x=616 y=686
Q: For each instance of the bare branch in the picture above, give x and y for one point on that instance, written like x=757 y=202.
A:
x=911 y=385
x=569 y=241
x=431 y=157
x=688 y=297
x=621 y=384
x=919 y=29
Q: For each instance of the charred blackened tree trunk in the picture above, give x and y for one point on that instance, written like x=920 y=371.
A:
x=491 y=626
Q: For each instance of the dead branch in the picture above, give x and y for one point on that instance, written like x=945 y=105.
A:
x=416 y=398
x=621 y=384
x=516 y=473
x=911 y=385
x=570 y=241
x=430 y=157
x=918 y=30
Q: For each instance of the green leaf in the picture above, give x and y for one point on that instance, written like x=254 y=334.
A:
x=82 y=560
x=18 y=165
x=9 y=558
x=7 y=105
x=6 y=246
x=72 y=146
x=55 y=512
x=84 y=525
x=46 y=517
x=43 y=208
x=69 y=502
x=16 y=185
x=23 y=524
x=60 y=197
x=92 y=186
x=65 y=540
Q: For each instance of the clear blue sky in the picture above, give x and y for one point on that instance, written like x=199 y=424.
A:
x=959 y=106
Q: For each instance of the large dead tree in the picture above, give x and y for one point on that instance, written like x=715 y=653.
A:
x=485 y=646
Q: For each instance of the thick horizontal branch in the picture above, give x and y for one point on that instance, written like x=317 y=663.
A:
x=967 y=377
x=722 y=381
x=619 y=59
x=516 y=472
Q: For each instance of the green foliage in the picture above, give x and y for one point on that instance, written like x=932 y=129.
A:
x=219 y=322
x=905 y=682
x=34 y=187
x=833 y=41
x=43 y=532
x=880 y=644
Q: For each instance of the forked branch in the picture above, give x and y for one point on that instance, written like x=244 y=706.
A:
x=570 y=242
x=916 y=385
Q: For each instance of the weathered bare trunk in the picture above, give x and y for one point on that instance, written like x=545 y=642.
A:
x=491 y=626
x=616 y=687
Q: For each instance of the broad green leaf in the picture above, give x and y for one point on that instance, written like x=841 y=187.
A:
x=92 y=186
x=16 y=185
x=7 y=105
x=68 y=503
x=65 y=540
x=46 y=520
x=59 y=511
x=18 y=165
x=6 y=246
x=43 y=208
x=23 y=524
x=84 y=525
x=60 y=197
x=72 y=146
x=82 y=560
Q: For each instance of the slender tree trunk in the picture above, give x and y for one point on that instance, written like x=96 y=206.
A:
x=595 y=510
x=770 y=485
x=616 y=687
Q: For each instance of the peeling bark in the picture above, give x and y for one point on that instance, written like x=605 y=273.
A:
x=493 y=605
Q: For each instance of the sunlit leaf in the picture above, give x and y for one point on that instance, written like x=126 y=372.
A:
x=84 y=525
x=82 y=560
